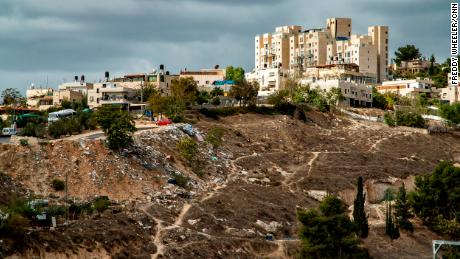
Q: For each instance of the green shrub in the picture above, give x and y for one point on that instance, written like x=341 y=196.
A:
x=177 y=118
x=214 y=136
x=188 y=148
x=65 y=126
x=119 y=134
x=451 y=112
x=101 y=204
x=15 y=225
x=24 y=142
x=117 y=125
x=216 y=101
x=58 y=185
x=436 y=199
x=33 y=130
x=181 y=180
x=388 y=119
x=55 y=210
x=409 y=119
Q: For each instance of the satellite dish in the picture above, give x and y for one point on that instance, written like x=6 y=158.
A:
x=154 y=71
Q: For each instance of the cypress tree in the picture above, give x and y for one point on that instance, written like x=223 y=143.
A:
x=390 y=227
x=402 y=213
x=359 y=215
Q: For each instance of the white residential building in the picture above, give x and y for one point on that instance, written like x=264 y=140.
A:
x=296 y=49
x=408 y=88
x=109 y=93
x=270 y=79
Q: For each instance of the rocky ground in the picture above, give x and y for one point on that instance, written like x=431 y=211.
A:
x=266 y=169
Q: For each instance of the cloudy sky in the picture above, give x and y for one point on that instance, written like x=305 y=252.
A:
x=52 y=40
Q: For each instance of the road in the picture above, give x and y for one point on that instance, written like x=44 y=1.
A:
x=4 y=140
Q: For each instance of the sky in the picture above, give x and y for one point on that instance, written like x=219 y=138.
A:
x=46 y=42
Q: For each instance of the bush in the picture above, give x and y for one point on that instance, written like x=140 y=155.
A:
x=188 y=148
x=409 y=119
x=181 y=180
x=214 y=137
x=15 y=225
x=65 y=126
x=58 y=185
x=216 y=101
x=451 y=112
x=33 y=130
x=388 y=119
x=24 y=142
x=177 y=118
x=403 y=118
x=117 y=125
x=101 y=204
x=436 y=199
x=55 y=210
x=119 y=135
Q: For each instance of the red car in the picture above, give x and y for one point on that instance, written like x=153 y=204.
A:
x=164 y=122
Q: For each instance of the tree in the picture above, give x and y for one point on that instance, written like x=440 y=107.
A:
x=402 y=210
x=184 y=91
x=11 y=96
x=451 y=112
x=117 y=125
x=216 y=101
x=406 y=53
x=119 y=134
x=391 y=229
x=359 y=214
x=436 y=199
x=245 y=92
x=166 y=105
x=329 y=232
x=203 y=97
x=432 y=68
x=235 y=74
x=217 y=92
x=148 y=91
x=334 y=96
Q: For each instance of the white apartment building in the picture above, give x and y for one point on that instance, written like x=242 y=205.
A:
x=109 y=93
x=450 y=94
x=408 y=88
x=295 y=49
x=270 y=79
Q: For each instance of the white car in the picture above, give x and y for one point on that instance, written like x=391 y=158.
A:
x=8 y=131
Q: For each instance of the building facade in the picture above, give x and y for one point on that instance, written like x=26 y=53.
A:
x=295 y=49
x=408 y=88
x=68 y=95
x=110 y=93
x=204 y=78
x=41 y=98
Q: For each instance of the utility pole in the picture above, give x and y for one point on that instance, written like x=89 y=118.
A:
x=66 y=197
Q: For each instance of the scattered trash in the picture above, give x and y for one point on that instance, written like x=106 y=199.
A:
x=188 y=129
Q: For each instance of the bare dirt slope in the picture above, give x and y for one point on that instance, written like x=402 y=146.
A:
x=266 y=169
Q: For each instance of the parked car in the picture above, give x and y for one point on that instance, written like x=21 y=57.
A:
x=164 y=122
x=8 y=131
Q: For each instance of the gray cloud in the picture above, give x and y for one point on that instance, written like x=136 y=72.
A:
x=57 y=39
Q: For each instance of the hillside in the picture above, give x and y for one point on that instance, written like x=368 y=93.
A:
x=265 y=169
